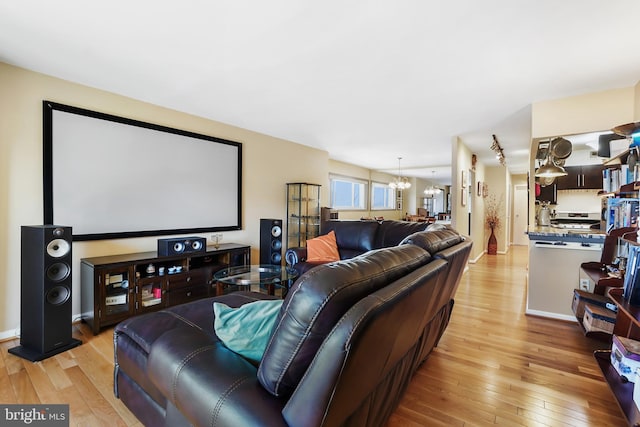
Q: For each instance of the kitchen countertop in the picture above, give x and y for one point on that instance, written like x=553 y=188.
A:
x=568 y=235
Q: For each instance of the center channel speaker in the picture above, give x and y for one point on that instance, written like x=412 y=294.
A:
x=45 y=292
x=181 y=245
x=271 y=241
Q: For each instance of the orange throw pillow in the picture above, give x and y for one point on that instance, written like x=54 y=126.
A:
x=323 y=248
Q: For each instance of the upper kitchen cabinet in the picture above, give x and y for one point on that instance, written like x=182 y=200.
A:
x=549 y=194
x=581 y=177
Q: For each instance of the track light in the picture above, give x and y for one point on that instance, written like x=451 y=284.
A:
x=498 y=150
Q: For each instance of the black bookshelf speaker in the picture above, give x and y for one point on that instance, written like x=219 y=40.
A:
x=271 y=241
x=45 y=292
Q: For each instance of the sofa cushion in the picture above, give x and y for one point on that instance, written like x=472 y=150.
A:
x=246 y=330
x=323 y=248
x=317 y=301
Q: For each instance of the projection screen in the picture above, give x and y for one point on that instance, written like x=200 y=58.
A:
x=112 y=177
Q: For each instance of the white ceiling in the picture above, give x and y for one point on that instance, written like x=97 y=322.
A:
x=368 y=81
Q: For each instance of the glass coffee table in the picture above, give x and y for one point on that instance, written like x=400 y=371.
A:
x=257 y=278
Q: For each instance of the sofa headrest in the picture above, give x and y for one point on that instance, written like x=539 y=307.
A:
x=316 y=302
x=357 y=235
x=434 y=239
x=390 y=233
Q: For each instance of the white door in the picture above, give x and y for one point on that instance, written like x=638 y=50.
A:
x=520 y=200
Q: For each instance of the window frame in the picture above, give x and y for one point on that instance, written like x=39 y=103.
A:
x=392 y=195
x=354 y=181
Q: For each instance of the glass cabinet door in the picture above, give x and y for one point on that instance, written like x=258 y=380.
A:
x=303 y=213
x=116 y=293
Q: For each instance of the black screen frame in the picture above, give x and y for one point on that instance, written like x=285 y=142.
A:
x=50 y=107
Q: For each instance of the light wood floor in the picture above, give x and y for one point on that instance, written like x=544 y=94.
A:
x=494 y=365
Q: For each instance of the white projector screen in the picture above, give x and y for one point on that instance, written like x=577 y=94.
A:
x=112 y=177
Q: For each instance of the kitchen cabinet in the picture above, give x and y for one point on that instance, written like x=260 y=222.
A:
x=549 y=194
x=581 y=177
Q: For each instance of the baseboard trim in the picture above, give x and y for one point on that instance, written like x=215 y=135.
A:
x=549 y=315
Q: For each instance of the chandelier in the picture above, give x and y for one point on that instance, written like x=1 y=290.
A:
x=432 y=190
x=400 y=183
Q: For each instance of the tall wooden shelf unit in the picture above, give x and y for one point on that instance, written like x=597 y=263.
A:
x=303 y=213
x=627 y=322
x=120 y=286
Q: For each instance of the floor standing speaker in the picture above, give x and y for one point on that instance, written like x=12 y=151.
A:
x=271 y=241
x=45 y=292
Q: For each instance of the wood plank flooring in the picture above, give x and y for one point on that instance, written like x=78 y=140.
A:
x=494 y=365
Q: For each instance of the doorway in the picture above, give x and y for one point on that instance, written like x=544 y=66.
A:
x=520 y=202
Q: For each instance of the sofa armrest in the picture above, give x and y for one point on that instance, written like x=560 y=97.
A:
x=295 y=255
x=208 y=383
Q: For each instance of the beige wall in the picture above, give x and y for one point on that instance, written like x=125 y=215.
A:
x=264 y=190
x=461 y=160
x=582 y=114
x=636 y=109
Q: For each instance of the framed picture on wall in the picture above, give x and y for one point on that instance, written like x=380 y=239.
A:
x=479 y=190
x=463 y=196
x=464 y=179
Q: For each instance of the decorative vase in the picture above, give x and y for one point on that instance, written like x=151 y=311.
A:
x=492 y=247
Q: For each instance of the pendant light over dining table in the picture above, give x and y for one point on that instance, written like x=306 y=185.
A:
x=400 y=182
x=432 y=190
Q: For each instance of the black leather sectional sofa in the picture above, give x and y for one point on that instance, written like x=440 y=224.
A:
x=346 y=343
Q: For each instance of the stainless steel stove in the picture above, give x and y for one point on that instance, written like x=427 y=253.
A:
x=576 y=220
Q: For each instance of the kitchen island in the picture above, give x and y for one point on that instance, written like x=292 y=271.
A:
x=555 y=256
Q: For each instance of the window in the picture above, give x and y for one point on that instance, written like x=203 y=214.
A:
x=382 y=196
x=348 y=193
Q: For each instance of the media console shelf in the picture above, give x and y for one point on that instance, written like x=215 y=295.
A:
x=622 y=390
x=627 y=325
x=120 y=286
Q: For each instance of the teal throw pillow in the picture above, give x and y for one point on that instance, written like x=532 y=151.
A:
x=246 y=330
